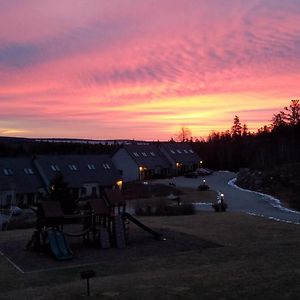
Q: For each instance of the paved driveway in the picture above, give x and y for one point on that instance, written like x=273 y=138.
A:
x=241 y=200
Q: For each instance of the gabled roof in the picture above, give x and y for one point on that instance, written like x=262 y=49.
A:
x=19 y=174
x=180 y=152
x=78 y=169
x=148 y=156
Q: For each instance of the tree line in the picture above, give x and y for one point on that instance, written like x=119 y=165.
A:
x=274 y=144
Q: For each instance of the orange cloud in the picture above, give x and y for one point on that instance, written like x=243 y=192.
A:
x=108 y=71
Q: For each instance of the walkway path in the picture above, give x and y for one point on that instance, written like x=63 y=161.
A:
x=241 y=200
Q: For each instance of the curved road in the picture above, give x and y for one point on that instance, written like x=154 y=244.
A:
x=241 y=200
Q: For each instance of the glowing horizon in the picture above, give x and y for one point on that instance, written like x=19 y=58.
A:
x=126 y=69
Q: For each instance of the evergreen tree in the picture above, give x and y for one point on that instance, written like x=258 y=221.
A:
x=293 y=112
x=236 y=129
x=278 y=120
x=245 y=130
x=60 y=191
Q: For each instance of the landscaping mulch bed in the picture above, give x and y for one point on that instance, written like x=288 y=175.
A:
x=140 y=245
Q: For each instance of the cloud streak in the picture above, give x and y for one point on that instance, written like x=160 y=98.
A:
x=152 y=66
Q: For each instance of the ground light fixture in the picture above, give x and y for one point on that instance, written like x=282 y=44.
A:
x=87 y=275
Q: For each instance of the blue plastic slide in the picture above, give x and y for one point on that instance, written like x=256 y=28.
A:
x=59 y=245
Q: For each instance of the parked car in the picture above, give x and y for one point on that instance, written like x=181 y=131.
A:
x=15 y=210
x=191 y=175
x=203 y=172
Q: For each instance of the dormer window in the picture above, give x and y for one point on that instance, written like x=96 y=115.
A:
x=178 y=151
x=7 y=172
x=144 y=154
x=72 y=167
x=91 y=167
x=28 y=171
x=55 y=168
x=152 y=153
x=136 y=154
x=106 y=166
x=173 y=152
x=191 y=151
x=185 y=151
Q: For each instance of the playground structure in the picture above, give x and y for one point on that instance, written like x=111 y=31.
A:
x=104 y=223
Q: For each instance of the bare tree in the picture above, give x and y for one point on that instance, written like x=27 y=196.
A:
x=184 y=134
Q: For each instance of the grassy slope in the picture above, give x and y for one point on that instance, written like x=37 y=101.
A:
x=260 y=259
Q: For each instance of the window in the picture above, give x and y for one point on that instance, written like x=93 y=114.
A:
x=173 y=152
x=135 y=154
x=152 y=153
x=144 y=154
x=178 y=151
x=28 y=171
x=83 y=191
x=7 y=172
x=55 y=168
x=91 y=167
x=191 y=151
x=72 y=167
x=94 y=191
x=185 y=151
x=106 y=166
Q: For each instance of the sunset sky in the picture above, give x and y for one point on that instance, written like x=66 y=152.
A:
x=143 y=68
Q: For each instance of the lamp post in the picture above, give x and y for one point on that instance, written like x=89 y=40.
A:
x=140 y=172
x=200 y=163
x=87 y=275
x=222 y=198
x=177 y=167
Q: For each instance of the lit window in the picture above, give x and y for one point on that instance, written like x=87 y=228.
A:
x=191 y=151
x=135 y=154
x=91 y=167
x=152 y=153
x=185 y=151
x=178 y=151
x=7 y=172
x=55 y=168
x=144 y=154
x=172 y=151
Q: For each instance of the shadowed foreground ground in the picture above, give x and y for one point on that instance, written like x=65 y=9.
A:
x=259 y=259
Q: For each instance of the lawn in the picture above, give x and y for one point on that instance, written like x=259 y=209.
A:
x=254 y=258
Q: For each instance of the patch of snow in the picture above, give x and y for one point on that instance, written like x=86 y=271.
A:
x=271 y=218
x=202 y=203
x=270 y=199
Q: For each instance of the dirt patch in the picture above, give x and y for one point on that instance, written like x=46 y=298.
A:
x=140 y=245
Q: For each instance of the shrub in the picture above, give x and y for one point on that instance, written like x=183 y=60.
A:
x=203 y=187
x=161 y=207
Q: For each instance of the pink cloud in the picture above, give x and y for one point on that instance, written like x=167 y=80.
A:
x=140 y=62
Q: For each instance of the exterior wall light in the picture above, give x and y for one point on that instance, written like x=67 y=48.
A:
x=119 y=184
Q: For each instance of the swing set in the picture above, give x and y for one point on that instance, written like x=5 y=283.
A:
x=104 y=223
